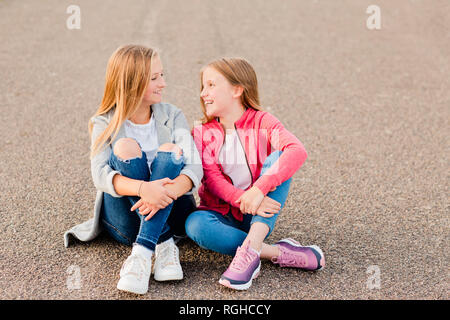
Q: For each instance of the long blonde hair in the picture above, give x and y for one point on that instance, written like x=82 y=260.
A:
x=127 y=76
x=238 y=72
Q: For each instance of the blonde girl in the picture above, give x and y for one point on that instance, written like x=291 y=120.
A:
x=143 y=159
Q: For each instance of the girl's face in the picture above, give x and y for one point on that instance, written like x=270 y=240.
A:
x=218 y=94
x=153 y=94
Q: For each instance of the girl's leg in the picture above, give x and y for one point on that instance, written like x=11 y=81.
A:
x=182 y=208
x=165 y=165
x=136 y=270
x=287 y=252
x=117 y=220
x=246 y=263
x=260 y=227
x=213 y=231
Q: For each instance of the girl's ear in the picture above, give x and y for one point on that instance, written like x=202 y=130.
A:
x=237 y=91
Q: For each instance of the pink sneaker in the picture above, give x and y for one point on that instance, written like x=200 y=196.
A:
x=292 y=254
x=242 y=270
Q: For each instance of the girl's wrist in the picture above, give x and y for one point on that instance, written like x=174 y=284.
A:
x=140 y=187
x=256 y=189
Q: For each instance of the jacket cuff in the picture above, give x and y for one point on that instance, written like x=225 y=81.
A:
x=263 y=184
x=111 y=189
x=193 y=177
x=236 y=196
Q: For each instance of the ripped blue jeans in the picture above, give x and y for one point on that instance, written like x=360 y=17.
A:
x=128 y=227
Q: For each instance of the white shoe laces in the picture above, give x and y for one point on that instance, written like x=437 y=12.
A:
x=134 y=265
x=168 y=255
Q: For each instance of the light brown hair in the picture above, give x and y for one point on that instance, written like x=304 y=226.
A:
x=238 y=72
x=127 y=76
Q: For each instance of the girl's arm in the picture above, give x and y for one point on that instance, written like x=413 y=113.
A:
x=102 y=173
x=125 y=186
x=180 y=185
x=176 y=188
x=154 y=195
x=292 y=158
x=223 y=189
x=219 y=186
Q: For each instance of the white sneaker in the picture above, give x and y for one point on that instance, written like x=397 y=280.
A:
x=135 y=274
x=167 y=262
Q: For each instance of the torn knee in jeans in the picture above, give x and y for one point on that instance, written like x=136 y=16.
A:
x=170 y=147
x=127 y=148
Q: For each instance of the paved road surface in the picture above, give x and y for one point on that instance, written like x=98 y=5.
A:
x=372 y=108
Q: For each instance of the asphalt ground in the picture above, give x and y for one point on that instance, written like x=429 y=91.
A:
x=372 y=108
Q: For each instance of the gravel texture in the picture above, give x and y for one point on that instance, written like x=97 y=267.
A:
x=372 y=108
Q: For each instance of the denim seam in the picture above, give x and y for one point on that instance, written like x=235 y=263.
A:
x=117 y=230
x=140 y=230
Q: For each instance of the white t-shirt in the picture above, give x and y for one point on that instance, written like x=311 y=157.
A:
x=147 y=137
x=233 y=161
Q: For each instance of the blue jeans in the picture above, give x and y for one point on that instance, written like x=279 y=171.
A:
x=128 y=227
x=223 y=233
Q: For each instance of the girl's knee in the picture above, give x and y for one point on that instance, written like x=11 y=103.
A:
x=170 y=147
x=127 y=148
x=193 y=224
x=274 y=156
x=271 y=159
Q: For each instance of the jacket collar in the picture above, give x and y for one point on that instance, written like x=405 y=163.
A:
x=240 y=122
x=159 y=113
x=247 y=114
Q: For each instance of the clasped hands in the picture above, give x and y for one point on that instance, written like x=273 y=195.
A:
x=254 y=202
x=154 y=196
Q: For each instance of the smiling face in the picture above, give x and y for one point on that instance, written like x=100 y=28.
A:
x=217 y=95
x=153 y=94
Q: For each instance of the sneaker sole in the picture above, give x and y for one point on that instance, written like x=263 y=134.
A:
x=294 y=243
x=170 y=277
x=243 y=286
x=130 y=288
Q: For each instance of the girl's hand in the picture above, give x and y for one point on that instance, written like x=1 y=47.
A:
x=268 y=207
x=250 y=200
x=145 y=209
x=154 y=196
x=154 y=193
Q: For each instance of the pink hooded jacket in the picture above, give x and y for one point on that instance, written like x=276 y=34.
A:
x=260 y=133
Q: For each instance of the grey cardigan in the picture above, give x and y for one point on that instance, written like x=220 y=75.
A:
x=171 y=127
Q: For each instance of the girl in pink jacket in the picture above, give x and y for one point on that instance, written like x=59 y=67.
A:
x=248 y=160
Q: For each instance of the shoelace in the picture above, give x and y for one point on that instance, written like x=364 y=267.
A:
x=241 y=260
x=168 y=255
x=135 y=264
